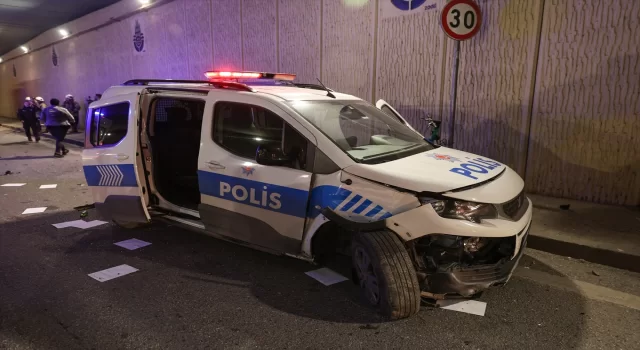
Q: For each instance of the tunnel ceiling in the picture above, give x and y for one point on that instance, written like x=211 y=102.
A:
x=22 y=20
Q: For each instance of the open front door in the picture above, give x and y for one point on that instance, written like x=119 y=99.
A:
x=261 y=205
x=111 y=164
x=385 y=107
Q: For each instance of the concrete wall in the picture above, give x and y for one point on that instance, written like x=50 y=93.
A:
x=549 y=87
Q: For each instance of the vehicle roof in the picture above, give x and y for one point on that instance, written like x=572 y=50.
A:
x=287 y=93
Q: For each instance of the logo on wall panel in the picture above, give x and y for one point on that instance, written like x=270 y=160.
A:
x=407 y=5
x=54 y=56
x=395 y=8
x=138 y=38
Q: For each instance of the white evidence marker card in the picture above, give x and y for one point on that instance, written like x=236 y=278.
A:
x=34 y=210
x=132 y=244
x=111 y=273
x=80 y=224
x=326 y=276
x=473 y=307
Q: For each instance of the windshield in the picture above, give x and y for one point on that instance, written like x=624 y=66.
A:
x=365 y=133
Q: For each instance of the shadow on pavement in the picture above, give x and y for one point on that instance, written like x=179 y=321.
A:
x=188 y=280
x=27 y=157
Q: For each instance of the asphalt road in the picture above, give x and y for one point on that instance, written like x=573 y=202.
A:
x=193 y=291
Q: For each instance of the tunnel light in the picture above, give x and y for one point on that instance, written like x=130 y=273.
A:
x=0 y=59
x=63 y=32
x=24 y=49
x=144 y=2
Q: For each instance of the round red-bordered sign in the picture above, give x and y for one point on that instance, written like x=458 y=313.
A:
x=461 y=19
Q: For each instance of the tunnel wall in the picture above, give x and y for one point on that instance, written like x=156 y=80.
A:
x=549 y=87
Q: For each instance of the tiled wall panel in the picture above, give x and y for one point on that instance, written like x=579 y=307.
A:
x=299 y=38
x=259 y=35
x=585 y=133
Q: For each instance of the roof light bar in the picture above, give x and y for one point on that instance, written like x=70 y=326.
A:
x=248 y=75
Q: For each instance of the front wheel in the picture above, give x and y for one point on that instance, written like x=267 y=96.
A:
x=383 y=269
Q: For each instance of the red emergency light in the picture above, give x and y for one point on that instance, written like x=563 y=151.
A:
x=220 y=75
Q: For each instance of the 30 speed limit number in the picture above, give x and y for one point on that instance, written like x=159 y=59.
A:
x=461 y=19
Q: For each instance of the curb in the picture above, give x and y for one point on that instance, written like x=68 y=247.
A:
x=620 y=260
x=47 y=136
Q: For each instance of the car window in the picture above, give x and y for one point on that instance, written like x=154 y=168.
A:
x=362 y=131
x=391 y=113
x=109 y=124
x=240 y=128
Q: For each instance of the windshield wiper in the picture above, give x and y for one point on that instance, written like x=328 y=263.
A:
x=389 y=152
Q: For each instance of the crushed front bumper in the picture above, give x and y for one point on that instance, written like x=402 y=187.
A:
x=471 y=280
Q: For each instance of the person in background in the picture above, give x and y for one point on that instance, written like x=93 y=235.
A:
x=88 y=100
x=39 y=104
x=74 y=108
x=58 y=120
x=29 y=119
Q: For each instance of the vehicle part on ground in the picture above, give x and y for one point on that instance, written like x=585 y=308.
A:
x=384 y=271
x=128 y=225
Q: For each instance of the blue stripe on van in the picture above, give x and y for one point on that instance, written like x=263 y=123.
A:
x=351 y=203
x=113 y=175
x=373 y=211
x=362 y=207
x=280 y=199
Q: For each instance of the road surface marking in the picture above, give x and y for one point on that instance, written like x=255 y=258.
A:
x=111 y=273
x=13 y=185
x=589 y=290
x=34 y=210
x=48 y=186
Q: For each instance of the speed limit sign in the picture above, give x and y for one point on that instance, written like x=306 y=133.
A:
x=461 y=19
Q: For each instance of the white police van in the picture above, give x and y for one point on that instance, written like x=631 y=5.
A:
x=304 y=171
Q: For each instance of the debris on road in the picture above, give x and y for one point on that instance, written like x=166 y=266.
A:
x=111 y=273
x=34 y=210
x=80 y=224
x=595 y=273
x=473 y=307
x=326 y=276
x=565 y=206
x=132 y=244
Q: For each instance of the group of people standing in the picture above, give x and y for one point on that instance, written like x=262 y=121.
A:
x=56 y=119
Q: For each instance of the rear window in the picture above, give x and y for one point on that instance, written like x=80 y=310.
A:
x=109 y=124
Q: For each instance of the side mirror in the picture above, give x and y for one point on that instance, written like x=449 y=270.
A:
x=271 y=156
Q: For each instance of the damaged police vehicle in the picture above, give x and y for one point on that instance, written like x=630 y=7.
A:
x=305 y=171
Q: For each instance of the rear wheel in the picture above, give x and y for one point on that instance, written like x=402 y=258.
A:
x=383 y=269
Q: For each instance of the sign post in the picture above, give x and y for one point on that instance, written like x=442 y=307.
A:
x=460 y=20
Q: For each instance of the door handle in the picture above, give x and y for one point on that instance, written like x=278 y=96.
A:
x=121 y=156
x=215 y=165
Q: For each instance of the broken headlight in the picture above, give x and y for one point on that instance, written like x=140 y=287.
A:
x=455 y=209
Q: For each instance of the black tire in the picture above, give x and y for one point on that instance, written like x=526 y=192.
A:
x=390 y=264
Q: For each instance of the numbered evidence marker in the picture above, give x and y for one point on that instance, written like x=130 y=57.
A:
x=461 y=19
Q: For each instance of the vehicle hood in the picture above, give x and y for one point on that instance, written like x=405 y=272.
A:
x=438 y=170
